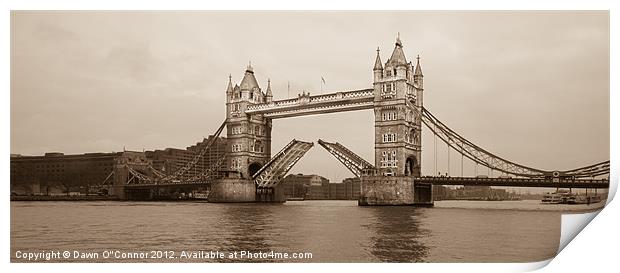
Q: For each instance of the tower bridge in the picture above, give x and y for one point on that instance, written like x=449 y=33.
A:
x=395 y=177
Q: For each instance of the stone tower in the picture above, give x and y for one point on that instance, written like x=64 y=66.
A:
x=249 y=136
x=398 y=88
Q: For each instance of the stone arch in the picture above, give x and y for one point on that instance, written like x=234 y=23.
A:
x=413 y=135
x=254 y=167
x=411 y=166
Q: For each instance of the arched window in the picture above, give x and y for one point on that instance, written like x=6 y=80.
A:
x=235 y=164
x=414 y=136
x=388 y=158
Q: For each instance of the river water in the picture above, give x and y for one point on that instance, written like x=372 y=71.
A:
x=332 y=231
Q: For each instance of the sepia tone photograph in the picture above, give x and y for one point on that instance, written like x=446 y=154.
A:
x=305 y=136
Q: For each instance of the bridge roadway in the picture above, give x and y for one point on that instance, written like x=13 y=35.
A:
x=168 y=184
x=515 y=182
x=450 y=180
x=316 y=104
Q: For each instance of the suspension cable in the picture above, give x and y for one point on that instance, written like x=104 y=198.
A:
x=462 y=163
x=448 y=173
x=435 y=148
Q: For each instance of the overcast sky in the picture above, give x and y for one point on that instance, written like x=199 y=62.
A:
x=532 y=87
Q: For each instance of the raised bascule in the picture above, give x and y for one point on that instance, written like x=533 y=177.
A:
x=396 y=97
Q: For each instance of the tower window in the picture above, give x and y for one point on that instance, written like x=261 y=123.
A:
x=388 y=158
x=389 y=90
x=258 y=146
x=236 y=130
x=390 y=137
x=236 y=164
x=236 y=147
x=389 y=115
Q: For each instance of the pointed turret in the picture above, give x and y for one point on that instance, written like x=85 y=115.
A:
x=398 y=56
x=269 y=95
x=378 y=65
x=378 y=69
x=418 y=80
x=249 y=81
x=229 y=89
x=418 y=68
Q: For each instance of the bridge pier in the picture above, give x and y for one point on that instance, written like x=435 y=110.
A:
x=240 y=190
x=270 y=195
x=138 y=194
x=232 y=190
x=394 y=191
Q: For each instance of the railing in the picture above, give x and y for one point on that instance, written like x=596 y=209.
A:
x=307 y=99
x=351 y=161
x=270 y=174
x=515 y=182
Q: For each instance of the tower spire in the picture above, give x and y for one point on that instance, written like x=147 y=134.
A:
x=250 y=68
x=269 y=95
x=269 y=87
x=418 y=68
x=230 y=87
x=378 y=65
x=398 y=56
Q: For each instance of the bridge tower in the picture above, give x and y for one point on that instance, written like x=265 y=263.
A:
x=398 y=93
x=248 y=140
x=249 y=136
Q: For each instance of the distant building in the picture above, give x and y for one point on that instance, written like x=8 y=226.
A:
x=315 y=187
x=336 y=191
x=440 y=192
x=352 y=188
x=469 y=193
x=170 y=160
x=311 y=187
x=57 y=173
x=349 y=189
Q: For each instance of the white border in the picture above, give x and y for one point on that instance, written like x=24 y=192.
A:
x=591 y=251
